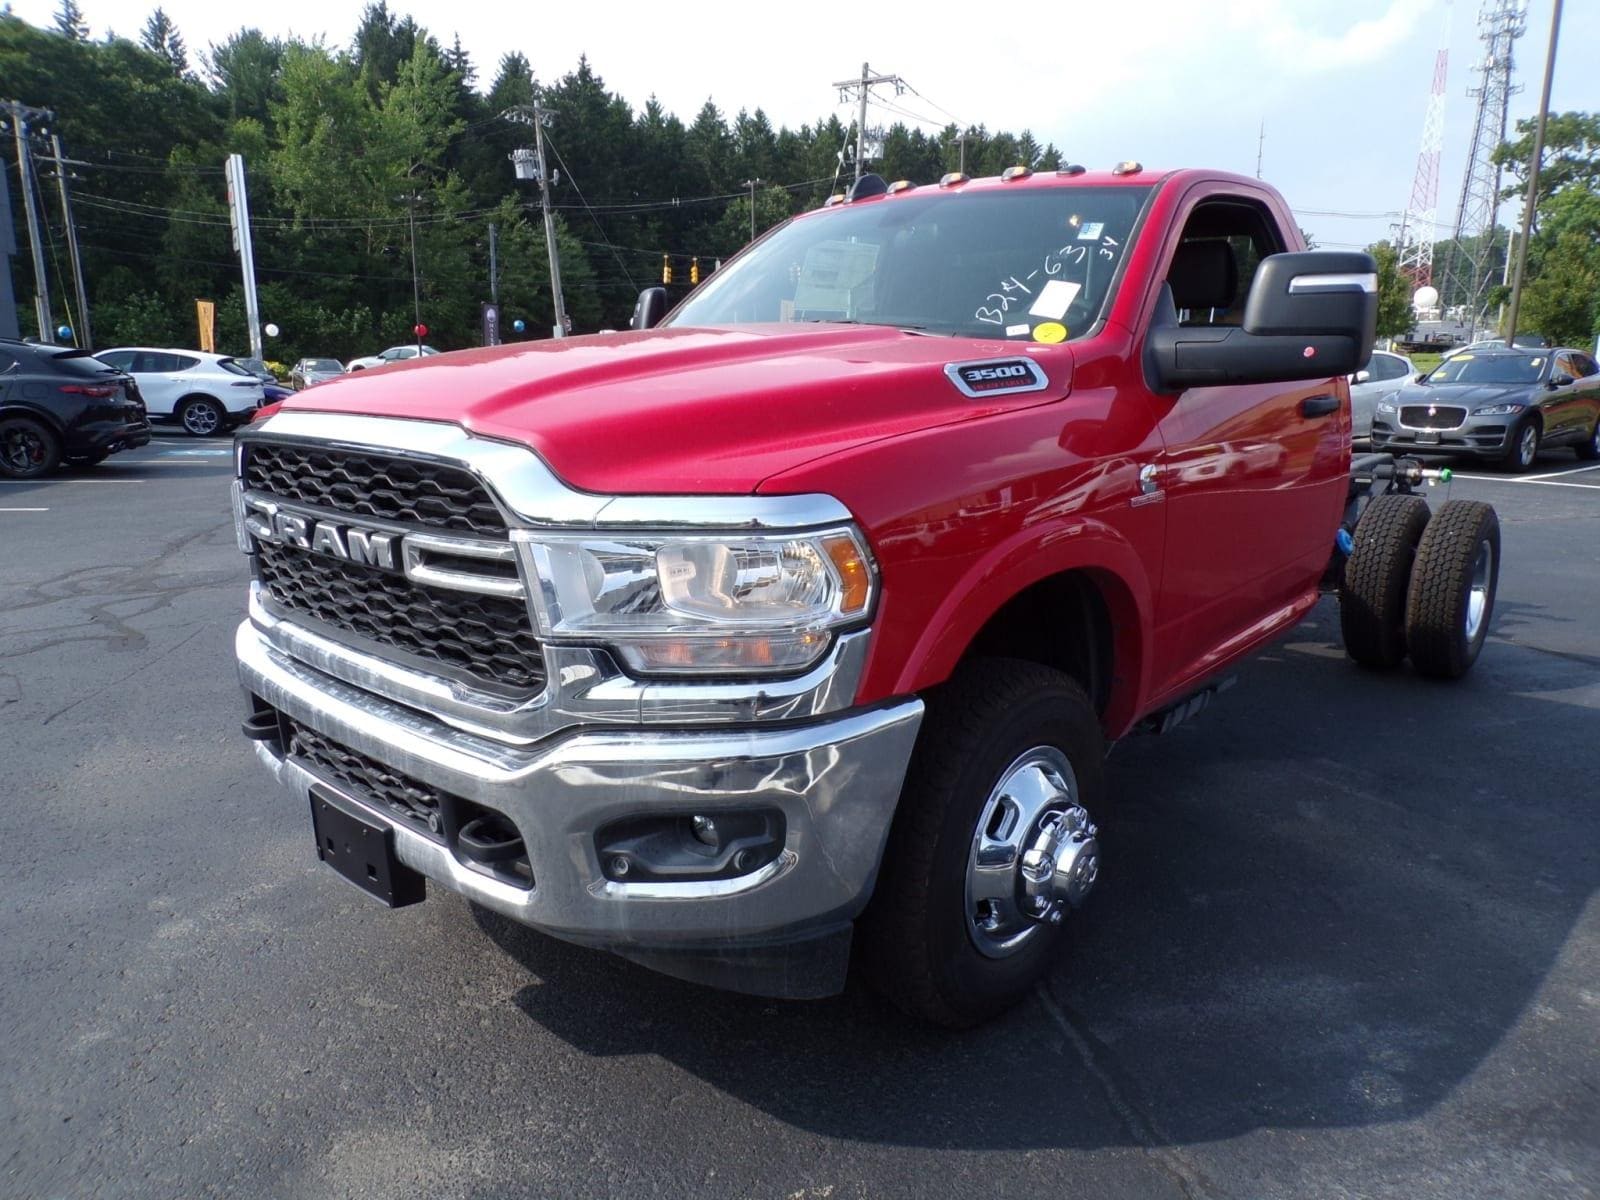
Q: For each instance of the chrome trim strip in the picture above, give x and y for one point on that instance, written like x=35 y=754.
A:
x=414 y=545
x=1354 y=281
x=531 y=492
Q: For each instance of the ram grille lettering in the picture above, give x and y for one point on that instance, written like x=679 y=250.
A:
x=269 y=523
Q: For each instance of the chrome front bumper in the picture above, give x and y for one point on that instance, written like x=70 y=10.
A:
x=836 y=780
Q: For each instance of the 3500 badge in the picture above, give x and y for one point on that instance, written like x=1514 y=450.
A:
x=997 y=376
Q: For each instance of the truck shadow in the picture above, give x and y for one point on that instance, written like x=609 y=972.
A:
x=1325 y=903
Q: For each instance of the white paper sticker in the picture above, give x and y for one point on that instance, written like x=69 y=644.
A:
x=1091 y=231
x=1017 y=330
x=1054 y=299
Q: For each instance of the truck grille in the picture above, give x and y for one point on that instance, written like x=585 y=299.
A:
x=411 y=800
x=1424 y=416
x=413 y=491
x=488 y=638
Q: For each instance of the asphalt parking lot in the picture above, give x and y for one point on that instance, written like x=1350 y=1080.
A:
x=1347 y=941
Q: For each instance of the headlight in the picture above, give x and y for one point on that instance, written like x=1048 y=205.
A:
x=694 y=604
x=1498 y=410
x=1386 y=406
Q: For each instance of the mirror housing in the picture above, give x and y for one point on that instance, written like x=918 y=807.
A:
x=1361 y=377
x=652 y=306
x=1560 y=380
x=1310 y=314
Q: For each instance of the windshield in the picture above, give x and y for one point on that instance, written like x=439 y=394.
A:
x=322 y=364
x=1034 y=263
x=1490 y=368
x=233 y=368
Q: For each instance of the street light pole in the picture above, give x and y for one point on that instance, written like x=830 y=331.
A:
x=1533 y=178
x=752 y=184
x=416 y=287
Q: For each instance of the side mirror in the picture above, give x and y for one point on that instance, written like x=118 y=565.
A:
x=652 y=306
x=1560 y=380
x=1422 y=377
x=1361 y=377
x=1310 y=314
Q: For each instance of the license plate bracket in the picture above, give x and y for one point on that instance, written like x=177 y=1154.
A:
x=362 y=851
x=1428 y=437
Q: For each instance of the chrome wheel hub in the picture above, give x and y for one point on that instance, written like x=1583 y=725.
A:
x=1528 y=448
x=200 y=419
x=1035 y=853
x=1478 y=590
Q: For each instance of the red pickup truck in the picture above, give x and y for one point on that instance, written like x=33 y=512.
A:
x=797 y=621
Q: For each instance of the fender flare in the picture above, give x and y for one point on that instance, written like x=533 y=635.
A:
x=1032 y=555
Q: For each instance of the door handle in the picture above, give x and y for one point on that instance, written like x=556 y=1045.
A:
x=1319 y=406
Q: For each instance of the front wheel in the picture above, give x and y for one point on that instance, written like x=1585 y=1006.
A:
x=1523 y=447
x=27 y=448
x=201 y=417
x=992 y=846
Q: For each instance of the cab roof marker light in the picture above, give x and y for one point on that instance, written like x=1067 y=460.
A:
x=900 y=185
x=954 y=179
x=1128 y=166
x=1016 y=172
x=836 y=198
x=1072 y=169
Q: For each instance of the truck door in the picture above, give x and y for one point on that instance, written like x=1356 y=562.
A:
x=1254 y=476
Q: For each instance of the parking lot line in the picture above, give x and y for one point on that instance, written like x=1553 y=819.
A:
x=57 y=482
x=24 y=510
x=1559 y=474
x=1582 y=487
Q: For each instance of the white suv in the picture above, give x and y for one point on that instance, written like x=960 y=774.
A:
x=204 y=393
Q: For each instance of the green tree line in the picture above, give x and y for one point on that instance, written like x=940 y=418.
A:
x=348 y=149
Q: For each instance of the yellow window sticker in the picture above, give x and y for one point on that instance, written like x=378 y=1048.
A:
x=1050 y=332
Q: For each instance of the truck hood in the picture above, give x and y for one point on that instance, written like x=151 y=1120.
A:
x=692 y=411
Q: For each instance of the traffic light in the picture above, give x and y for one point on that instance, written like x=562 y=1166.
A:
x=694 y=270
x=666 y=269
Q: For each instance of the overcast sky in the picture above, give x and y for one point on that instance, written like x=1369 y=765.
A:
x=1340 y=84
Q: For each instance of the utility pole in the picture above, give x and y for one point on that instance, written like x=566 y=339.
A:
x=1261 y=144
x=494 y=265
x=860 y=89
x=961 y=142
x=85 y=335
x=411 y=200
x=752 y=184
x=239 y=214
x=533 y=114
x=20 y=114
x=1533 y=178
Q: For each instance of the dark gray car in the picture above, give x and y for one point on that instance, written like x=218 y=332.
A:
x=1503 y=405
x=314 y=370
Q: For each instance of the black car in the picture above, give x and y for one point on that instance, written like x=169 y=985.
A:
x=59 y=404
x=1496 y=404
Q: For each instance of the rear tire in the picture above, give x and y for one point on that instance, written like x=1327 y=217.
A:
x=1372 y=594
x=1453 y=584
x=925 y=943
x=201 y=416
x=1590 y=451
x=1522 y=448
x=28 y=448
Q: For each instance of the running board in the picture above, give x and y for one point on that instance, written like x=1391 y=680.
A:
x=1165 y=720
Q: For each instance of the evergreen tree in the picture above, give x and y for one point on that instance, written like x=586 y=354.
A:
x=70 y=21
x=161 y=38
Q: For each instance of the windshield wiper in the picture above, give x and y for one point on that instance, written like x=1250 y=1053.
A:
x=903 y=326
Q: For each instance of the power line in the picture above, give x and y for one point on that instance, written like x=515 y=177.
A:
x=573 y=180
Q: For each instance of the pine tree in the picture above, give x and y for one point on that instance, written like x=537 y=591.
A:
x=161 y=38
x=70 y=21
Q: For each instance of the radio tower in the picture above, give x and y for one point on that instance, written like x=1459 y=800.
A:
x=1417 y=226
x=1473 y=256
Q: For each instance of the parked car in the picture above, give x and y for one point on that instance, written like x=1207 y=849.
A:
x=1381 y=377
x=258 y=368
x=1531 y=341
x=58 y=404
x=310 y=371
x=393 y=354
x=203 y=393
x=1499 y=404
